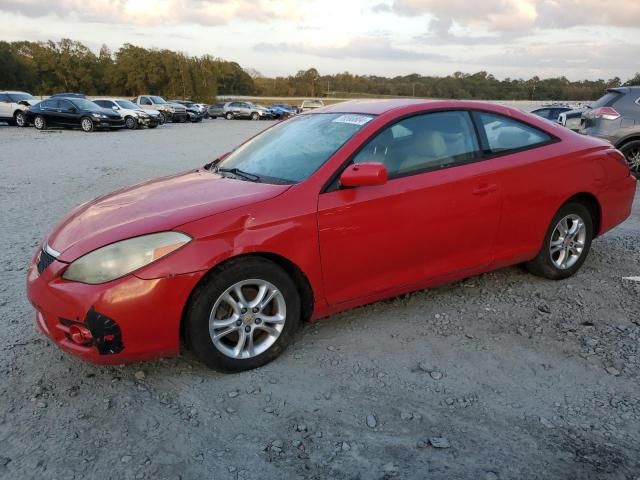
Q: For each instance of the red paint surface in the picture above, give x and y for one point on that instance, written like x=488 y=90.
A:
x=354 y=245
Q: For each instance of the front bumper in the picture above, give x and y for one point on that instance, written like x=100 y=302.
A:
x=108 y=123
x=130 y=319
x=179 y=117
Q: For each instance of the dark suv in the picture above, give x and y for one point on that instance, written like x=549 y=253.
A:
x=616 y=117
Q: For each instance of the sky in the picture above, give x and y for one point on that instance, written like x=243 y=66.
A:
x=579 y=39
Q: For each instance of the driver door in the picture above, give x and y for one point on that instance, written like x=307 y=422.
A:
x=436 y=216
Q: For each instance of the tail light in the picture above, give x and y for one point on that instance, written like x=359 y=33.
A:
x=606 y=113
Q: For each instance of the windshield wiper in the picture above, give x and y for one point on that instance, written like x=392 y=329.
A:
x=236 y=171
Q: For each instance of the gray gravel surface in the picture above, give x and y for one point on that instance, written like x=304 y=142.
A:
x=501 y=376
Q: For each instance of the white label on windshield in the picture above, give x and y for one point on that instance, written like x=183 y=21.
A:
x=353 y=119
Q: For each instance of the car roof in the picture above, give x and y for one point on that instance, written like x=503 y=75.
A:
x=13 y=91
x=629 y=89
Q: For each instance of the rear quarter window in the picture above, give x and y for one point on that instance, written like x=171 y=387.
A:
x=506 y=134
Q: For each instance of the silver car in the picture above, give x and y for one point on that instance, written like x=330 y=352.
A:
x=14 y=105
x=234 y=110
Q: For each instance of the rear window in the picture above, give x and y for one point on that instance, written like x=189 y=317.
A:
x=607 y=100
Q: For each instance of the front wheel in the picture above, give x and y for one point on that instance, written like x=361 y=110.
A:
x=242 y=316
x=86 y=124
x=39 y=122
x=131 y=123
x=163 y=118
x=631 y=152
x=566 y=244
x=229 y=116
x=255 y=116
x=20 y=119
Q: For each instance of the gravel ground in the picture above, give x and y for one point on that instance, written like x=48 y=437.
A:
x=501 y=376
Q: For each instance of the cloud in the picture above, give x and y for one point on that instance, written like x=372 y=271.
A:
x=522 y=15
x=370 y=48
x=160 y=12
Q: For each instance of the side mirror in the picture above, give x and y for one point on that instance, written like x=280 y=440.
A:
x=364 y=175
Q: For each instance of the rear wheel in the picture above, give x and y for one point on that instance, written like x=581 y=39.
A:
x=86 y=124
x=131 y=123
x=631 y=152
x=243 y=316
x=163 y=118
x=229 y=116
x=566 y=244
x=39 y=122
x=20 y=119
x=255 y=116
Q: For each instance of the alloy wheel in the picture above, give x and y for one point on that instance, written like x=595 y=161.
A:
x=86 y=124
x=20 y=119
x=247 y=319
x=130 y=122
x=568 y=241
x=39 y=123
x=633 y=159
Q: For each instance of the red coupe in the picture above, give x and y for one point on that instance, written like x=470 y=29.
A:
x=328 y=210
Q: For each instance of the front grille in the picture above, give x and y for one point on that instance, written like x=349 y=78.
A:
x=44 y=261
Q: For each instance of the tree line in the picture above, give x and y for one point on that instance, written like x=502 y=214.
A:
x=69 y=66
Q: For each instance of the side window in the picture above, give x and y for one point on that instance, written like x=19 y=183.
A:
x=103 y=103
x=65 y=105
x=4 y=98
x=422 y=143
x=145 y=101
x=49 y=104
x=505 y=134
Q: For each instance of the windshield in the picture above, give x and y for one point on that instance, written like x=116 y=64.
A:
x=18 y=97
x=157 y=99
x=291 y=151
x=83 y=104
x=127 y=104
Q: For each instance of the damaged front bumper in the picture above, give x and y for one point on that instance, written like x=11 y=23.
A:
x=126 y=320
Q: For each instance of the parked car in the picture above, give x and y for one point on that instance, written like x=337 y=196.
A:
x=194 y=114
x=134 y=116
x=311 y=104
x=615 y=117
x=282 y=110
x=321 y=213
x=170 y=111
x=233 y=110
x=216 y=110
x=73 y=112
x=571 y=118
x=199 y=108
x=551 y=113
x=14 y=106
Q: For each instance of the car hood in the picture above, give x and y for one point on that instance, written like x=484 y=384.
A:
x=153 y=206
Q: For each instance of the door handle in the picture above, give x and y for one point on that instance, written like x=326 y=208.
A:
x=485 y=189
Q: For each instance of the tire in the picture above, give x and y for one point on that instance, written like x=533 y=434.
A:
x=163 y=118
x=229 y=116
x=20 y=119
x=130 y=122
x=210 y=295
x=153 y=126
x=255 y=116
x=631 y=152
x=40 y=123
x=213 y=118
x=570 y=252
x=86 y=124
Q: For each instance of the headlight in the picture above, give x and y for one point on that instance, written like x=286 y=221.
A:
x=120 y=258
x=98 y=115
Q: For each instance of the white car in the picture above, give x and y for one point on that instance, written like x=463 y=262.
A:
x=134 y=116
x=13 y=107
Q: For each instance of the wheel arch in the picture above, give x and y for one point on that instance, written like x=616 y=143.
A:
x=300 y=279
x=629 y=138
x=590 y=201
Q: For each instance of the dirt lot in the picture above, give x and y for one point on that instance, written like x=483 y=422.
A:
x=502 y=376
